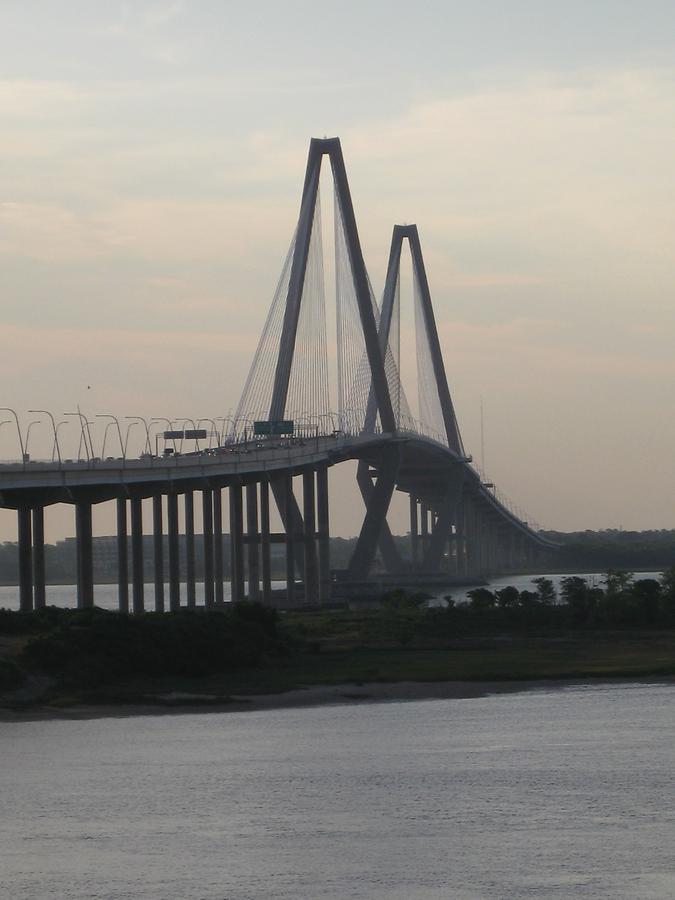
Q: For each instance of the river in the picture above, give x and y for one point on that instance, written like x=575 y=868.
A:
x=549 y=793
x=105 y=595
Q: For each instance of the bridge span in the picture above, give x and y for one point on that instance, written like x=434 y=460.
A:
x=460 y=527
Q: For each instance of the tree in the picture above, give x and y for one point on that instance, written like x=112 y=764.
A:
x=617 y=582
x=481 y=599
x=545 y=590
x=580 y=599
x=647 y=595
x=668 y=593
x=508 y=597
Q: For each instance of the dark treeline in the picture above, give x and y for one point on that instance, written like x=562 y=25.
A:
x=621 y=600
x=614 y=549
x=95 y=646
x=84 y=649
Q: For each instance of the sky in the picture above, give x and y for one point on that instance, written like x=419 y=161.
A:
x=151 y=164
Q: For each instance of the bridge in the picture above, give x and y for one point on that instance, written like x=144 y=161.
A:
x=298 y=417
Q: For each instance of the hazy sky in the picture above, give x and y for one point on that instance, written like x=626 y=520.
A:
x=151 y=163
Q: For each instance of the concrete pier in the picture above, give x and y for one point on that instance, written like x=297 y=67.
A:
x=174 y=551
x=265 y=543
x=85 y=561
x=137 y=573
x=236 y=543
x=39 y=588
x=122 y=557
x=25 y=559
x=190 y=549
x=323 y=533
x=207 y=535
x=287 y=482
x=218 y=574
x=158 y=551
x=309 y=515
x=414 y=533
x=253 y=539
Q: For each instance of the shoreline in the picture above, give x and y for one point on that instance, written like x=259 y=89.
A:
x=317 y=695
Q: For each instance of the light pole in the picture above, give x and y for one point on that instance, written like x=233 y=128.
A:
x=169 y=428
x=18 y=429
x=108 y=426
x=45 y=412
x=214 y=430
x=148 y=448
x=115 y=420
x=87 y=444
x=30 y=425
x=231 y=432
x=5 y=422
x=56 y=438
x=194 y=428
x=126 y=436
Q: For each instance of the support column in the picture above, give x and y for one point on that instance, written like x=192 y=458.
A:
x=174 y=551
x=236 y=544
x=85 y=561
x=471 y=536
x=252 y=532
x=387 y=546
x=218 y=545
x=122 y=556
x=39 y=557
x=376 y=513
x=190 y=549
x=460 y=535
x=323 y=523
x=158 y=551
x=414 y=533
x=290 y=537
x=424 y=530
x=25 y=559
x=265 y=545
x=137 y=574
x=207 y=529
x=311 y=571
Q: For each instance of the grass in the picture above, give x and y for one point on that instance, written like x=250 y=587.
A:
x=342 y=647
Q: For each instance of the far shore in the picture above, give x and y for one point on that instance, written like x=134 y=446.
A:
x=177 y=703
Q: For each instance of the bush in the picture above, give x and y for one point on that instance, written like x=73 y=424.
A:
x=95 y=646
x=10 y=675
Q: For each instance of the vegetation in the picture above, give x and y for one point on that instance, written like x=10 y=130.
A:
x=624 y=627
x=597 y=551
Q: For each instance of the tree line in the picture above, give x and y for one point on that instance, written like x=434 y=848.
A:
x=621 y=599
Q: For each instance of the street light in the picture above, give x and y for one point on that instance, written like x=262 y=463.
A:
x=18 y=429
x=108 y=426
x=214 y=430
x=148 y=448
x=45 y=412
x=5 y=422
x=83 y=423
x=105 y=433
x=169 y=427
x=30 y=425
x=126 y=436
x=56 y=438
x=231 y=434
x=194 y=428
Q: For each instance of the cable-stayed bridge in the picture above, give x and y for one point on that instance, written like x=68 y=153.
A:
x=308 y=404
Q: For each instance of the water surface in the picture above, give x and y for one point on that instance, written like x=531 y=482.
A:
x=552 y=793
